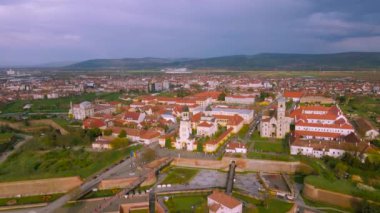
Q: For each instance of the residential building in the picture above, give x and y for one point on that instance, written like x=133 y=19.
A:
x=220 y=202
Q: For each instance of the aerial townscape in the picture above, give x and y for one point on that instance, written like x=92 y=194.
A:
x=210 y=124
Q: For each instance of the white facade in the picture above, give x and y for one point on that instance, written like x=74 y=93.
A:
x=240 y=99
x=184 y=141
x=223 y=204
x=329 y=128
x=276 y=126
x=246 y=114
x=206 y=129
x=83 y=110
x=371 y=134
x=310 y=151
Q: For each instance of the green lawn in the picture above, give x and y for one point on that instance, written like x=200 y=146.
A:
x=266 y=146
x=342 y=186
x=257 y=138
x=274 y=205
x=5 y=137
x=365 y=106
x=33 y=164
x=193 y=203
x=55 y=105
x=324 y=205
x=243 y=131
x=178 y=175
x=29 y=199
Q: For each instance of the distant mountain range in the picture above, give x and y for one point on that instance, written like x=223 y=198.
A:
x=264 y=61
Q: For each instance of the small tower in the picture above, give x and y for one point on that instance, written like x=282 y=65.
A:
x=281 y=108
x=184 y=141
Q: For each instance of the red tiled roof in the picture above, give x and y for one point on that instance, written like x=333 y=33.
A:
x=93 y=123
x=232 y=120
x=289 y=94
x=131 y=116
x=224 y=199
x=149 y=134
x=317 y=134
x=205 y=124
x=337 y=126
x=234 y=145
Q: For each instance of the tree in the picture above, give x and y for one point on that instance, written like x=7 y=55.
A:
x=342 y=99
x=107 y=132
x=263 y=95
x=26 y=122
x=122 y=134
x=148 y=155
x=340 y=170
x=93 y=133
x=222 y=96
x=367 y=207
x=200 y=147
x=118 y=143
x=168 y=143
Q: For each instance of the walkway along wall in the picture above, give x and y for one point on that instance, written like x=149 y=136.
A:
x=242 y=164
x=38 y=187
x=334 y=198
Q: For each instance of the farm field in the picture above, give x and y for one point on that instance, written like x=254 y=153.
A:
x=55 y=105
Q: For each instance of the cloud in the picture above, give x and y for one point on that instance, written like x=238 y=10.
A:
x=58 y=30
x=371 y=44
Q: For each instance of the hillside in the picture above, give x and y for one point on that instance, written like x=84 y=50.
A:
x=265 y=61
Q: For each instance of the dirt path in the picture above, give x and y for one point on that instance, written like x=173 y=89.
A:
x=5 y=155
x=20 y=125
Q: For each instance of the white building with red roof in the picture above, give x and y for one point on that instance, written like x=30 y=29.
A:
x=220 y=202
x=240 y=99
x=236 y=147
x=293 y=95
x=321 y=130
x=206 y=128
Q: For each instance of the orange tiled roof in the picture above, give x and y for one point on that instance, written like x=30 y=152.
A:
x=224 y=199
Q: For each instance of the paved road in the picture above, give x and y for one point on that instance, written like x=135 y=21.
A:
x=5 y=155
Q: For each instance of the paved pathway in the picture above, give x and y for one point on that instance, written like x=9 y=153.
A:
x=5 y=155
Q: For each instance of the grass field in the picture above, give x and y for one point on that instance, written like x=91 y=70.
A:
x=29 y=200
x=364 y=75
x=364 y=106
x=179 y=175
x=324 y=205
x=342 y=186
x=274 y=205
x=5 y=137
x=55 y=105
x=29 y=164
x=243 y=131
x=192 y=203
x=276 y=147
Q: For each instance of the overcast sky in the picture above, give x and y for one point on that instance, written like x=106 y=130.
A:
x=40 y=31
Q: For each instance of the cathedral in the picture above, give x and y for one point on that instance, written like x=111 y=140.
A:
x=277 y=125
x=185 y=141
